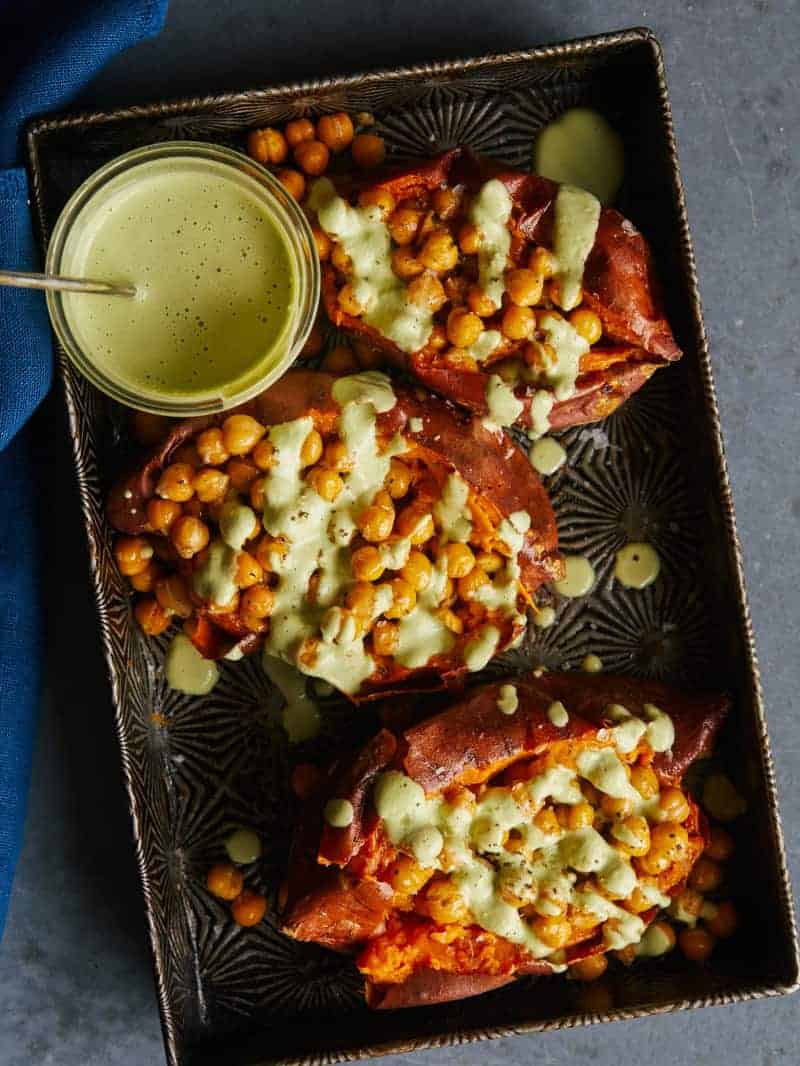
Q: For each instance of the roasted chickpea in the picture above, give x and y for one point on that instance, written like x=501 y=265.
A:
x=407 y=877
x=381 y=198
x=349 y=302
x=189 y=536
x=210 y=484
x=248 y=908
x=444 y=904
x=468 y=586
x=270 y=550
x=242 y=473
x=267 y=146
x=404 y=599
x=211 y=447
x=479 y=303
x=673 y=805
x=224 y=881
x=463 y=328
x=706 y=875
x=589 y=969
x=417 y=571
x=368 y=150
x=385 y=637
x=398 y=480
x=326 y=483
x=366 y=563
x=336 y=457
x=518 y=323
x=415 y=524
x=151 y=616
x=173 y=595
x=459 y=559
x=696 y=944
x=403 y=224
x=257 y=494
x=405 y=263
x=439 y=252
x=299 y=130
x=376 y=522
x=720 y=847
x=524 y=287
x=360 y=599
x=133 y=554
x=161 y=514
x=258 y=601
x=490 y=562
x=632 y=835
x=335 y=131
x=579 y=816
x=323 y=243
x=311 y=450
x=340 y=360
x=469 y=238
x=554 y=931
x=312 y=157
x=146 y=579
x=241 y=433
x=615 y=808
x=176 y=483
x=587 y=324
x=444 y=202
x=341 y=260
x=668 y=842
x=724 y=922
x=546 y=820
x=542 y=262
x=438 y=337
x=427 y=291
x=248 y=571
x=293 y=181
x=644 y=780
x=450 y=619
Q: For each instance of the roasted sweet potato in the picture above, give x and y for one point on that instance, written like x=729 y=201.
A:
x=620 y=317
x=535 y=823
x=273 y=525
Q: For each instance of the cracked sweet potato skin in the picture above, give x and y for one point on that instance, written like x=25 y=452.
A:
x=470 y=743
x=620 y=285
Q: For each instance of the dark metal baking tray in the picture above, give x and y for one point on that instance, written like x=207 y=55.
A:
x=655 y=470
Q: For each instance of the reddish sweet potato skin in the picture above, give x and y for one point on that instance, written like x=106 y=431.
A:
x=620 y=285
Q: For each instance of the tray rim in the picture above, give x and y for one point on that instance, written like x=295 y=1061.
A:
x=597 y=44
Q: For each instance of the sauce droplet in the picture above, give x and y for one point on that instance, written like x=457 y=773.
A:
x=544 y=617
x=581 y=148
x=339 y=813
x=592 y=664
x=579 y=578
x=243 y=846
x=547 y=456
x=637 y=565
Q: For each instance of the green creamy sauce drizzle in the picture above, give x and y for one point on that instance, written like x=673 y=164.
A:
x=581 y=148
x=216 y=282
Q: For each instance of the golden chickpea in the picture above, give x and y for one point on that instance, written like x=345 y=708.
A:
x=336 y=131
x=211 y=447
x=696 y=944
x=360 y=599
x=542 y=262
x=224 y=881
x=589 y=969
x=176 y=483
x=248 y=571
x=417 y=571
x=189 y=536
x=417 y=525
x=632 y=835
x=311 y=450
x=403 y=224
x=427 y=291
x=490 y=562
x=463 y=327
x=293 y=181
x=444 y=904
x=469 y=238
x=242 y=473
x=579 y=816
x=404 y=598
x=615 y=808
x=587 y=324
x=518 y=323
x=637 y=901
x=459 y=560
x=439 y=252
x=241 y=433
x=312 y=157
x=524 y=287
x=668 y=843
x=340 y=360
x=323 y=243
x=326 y=483
x=644 y=780
x=468 y=586
x=349 y=302
x=438 y=337
x=210 y=484
x=375 y=523
x=257 y=494
x=479 y=303
x=725 y=921
x=706 y=875
x=385 y=638
x=315 y=340
x=336 y=457
x=673 y=805
x=151 y=616
x=299 y=130
x=267 y=146
x=458 y=359
x=258 y=601
x=720 y=846
x=381 y=198
x=444 y=202
x=161 y=514
x=341 y=260
x=366 y=563
x=407 y=877
x=270 y=550
x=133 y=555
x=368 y=150
x=398 y=480
x=451 y=620
x=146 y=579
x=248 y=908
x=546 y=820
x=554 y=931
x=405 y=263
x=173 y=595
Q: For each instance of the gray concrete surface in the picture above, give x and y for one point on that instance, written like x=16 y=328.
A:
x=75 y=983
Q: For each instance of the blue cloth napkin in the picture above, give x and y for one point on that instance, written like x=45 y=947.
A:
x=54 y=49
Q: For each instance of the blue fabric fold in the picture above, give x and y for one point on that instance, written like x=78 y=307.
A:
x=56 y=48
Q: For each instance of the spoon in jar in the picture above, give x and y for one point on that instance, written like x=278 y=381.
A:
x=21 y=280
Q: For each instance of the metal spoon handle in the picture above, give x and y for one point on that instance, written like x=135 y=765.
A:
x=19 y=279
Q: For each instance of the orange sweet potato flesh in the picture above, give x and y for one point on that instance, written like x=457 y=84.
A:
x=469 y=743
x=444 y=438
x=619 y=284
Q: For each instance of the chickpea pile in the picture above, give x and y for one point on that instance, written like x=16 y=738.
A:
x=230 y=463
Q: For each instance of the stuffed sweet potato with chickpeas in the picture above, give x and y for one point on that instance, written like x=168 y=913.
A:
x=508 y=294
x=359 y=531
x=537 y=823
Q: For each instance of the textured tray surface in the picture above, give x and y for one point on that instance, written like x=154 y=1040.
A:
x=653 y=471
